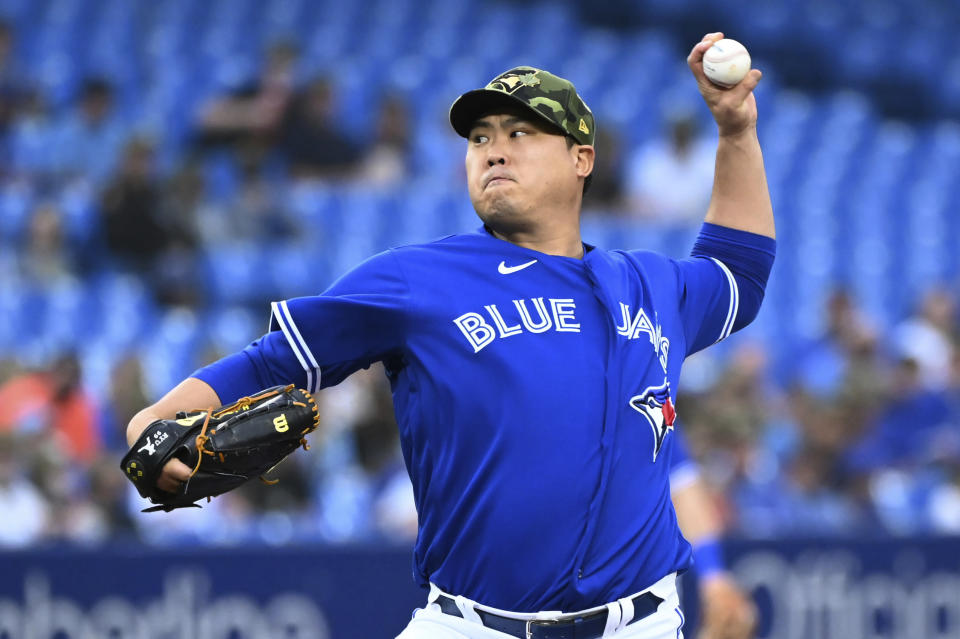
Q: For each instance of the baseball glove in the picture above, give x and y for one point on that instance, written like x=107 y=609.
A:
x=225 y=447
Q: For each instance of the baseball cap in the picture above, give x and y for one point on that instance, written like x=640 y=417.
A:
x=552 y=98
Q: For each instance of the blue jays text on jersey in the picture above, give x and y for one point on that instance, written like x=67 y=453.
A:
x=534 y=395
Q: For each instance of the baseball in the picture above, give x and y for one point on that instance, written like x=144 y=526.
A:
x=726 y=62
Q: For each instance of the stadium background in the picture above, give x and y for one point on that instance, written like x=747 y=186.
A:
x=169 y=167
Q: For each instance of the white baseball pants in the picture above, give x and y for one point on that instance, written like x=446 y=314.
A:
x=666 y=623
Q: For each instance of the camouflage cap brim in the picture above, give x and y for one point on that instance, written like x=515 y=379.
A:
x=473 y=105
x=553 y=99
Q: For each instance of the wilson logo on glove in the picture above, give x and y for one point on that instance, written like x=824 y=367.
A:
x=234 y=444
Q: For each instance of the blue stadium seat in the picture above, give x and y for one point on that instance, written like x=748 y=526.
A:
x=124 y=309
x=231 y=328
x=173 y=351
x=296 y=270
x=314 y=204
x=16 y=204
x=221 y=176
x=70 y=314
x=79 y=206
x=234 y=272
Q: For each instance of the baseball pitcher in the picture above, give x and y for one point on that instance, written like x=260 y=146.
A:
x=534 y=376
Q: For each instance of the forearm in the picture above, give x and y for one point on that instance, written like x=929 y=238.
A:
x=701 y=525
x=696 y=513
x=266 y=362
x=741 y=198
x=189 y=394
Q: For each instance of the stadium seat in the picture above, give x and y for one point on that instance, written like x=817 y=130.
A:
x=16 y=204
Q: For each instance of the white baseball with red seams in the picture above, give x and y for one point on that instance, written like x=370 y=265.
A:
x=726 y=62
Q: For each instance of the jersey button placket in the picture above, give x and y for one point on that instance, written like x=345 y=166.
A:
x=609 y=413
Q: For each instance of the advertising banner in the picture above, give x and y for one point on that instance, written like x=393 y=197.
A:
x=890 y=589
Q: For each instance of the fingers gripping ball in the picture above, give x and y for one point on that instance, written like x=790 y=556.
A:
x=726 y=63
x=225 y=447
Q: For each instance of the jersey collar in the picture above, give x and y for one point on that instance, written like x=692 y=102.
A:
x=484 y=230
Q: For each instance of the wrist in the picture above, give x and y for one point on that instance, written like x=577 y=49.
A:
x=139 y=424
x=737 y=135
x=708 y=558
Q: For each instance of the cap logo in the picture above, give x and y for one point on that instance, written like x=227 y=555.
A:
x=510 y=82
x=583 y=127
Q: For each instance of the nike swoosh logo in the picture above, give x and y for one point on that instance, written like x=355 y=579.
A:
x=507 y=270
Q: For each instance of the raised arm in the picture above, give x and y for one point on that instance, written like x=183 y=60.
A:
x=740 y=199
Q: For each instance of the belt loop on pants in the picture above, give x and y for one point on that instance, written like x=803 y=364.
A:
x=626 y=613
x=614 y=618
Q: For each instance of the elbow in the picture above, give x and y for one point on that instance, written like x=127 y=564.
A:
x=751 y=297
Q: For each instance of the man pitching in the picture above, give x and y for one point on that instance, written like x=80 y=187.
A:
x=534 y=376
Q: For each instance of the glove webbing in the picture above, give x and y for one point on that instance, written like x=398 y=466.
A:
x=240 y=404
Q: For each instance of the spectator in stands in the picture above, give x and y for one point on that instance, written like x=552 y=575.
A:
x=25 y=512
x=943 y=506
x=251 y=114
x=46 y=256
x=255 y=212
x=670 y=179
x=943 y=509
x=393 y=513
x=53 y=404
x=13 y=86
x=126 y=391
x=176 y=268
x=739 y=405
x=908 y=454
x=930 y=336
x=32 y=141
x=606 y=191
x=362 y=494
x=74 y=518
x=183 y=198
x=780 y=470
x=107 y=493
x=143 y=235
x=388 y=160
x=88 y=142
x=822 y=363
x=188 y=205
x=910 y=427
x=135 y=234
x=312 y=140
x=815 y=499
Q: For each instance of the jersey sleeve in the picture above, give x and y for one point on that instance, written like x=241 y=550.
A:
x=709 y=301
x=360 y=319
x=265 y=362
x=722 y=283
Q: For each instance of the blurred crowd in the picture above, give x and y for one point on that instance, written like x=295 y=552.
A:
x=861 y=435
x=862 y=438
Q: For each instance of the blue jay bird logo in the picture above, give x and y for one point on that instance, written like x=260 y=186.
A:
x=655 y=405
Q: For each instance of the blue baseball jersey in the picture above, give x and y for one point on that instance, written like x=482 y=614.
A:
x=535 y=399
